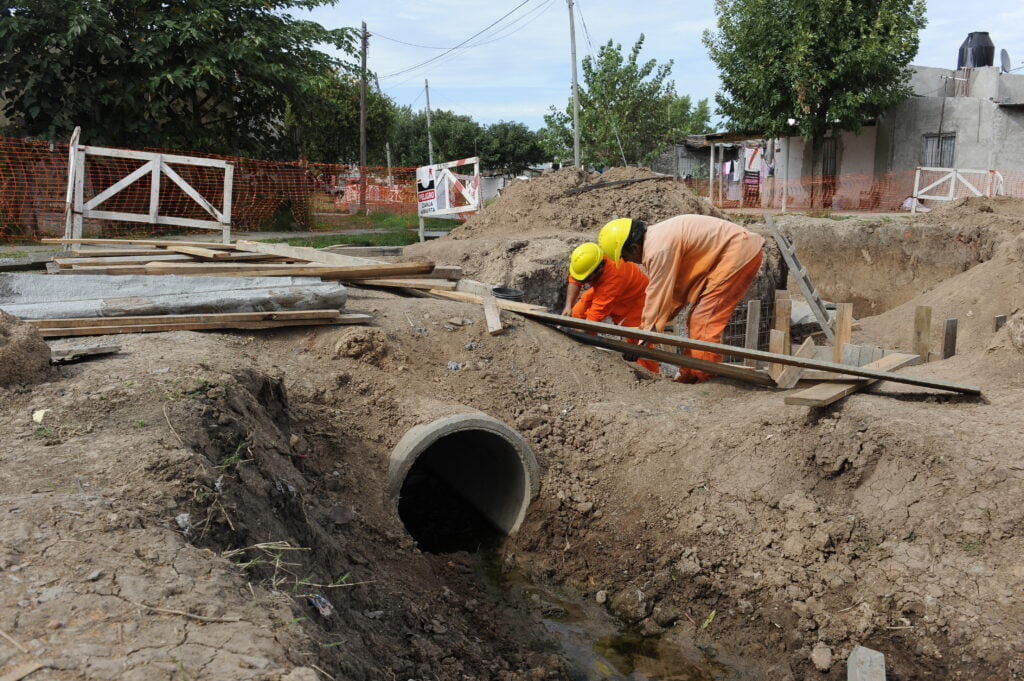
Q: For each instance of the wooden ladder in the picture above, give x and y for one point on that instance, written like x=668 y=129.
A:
x=802 y=279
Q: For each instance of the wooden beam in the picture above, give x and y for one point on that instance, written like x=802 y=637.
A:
x=198 y=326
x=949 y=339
x=199 y=252
x=922 y=341
x=825 y=394
x=789 y=376
x=422 y=284
x=783 y=319
x=776 y=344
x=314 y=255
x=998 y=322
x=58 y=356
x=114 y=252
x=452 y=272
x=753 y=327
x=186 y=318
x=492 y=315
x=383 y=271
x=161 y=243
x=503 y=304
x=719 y=368
x=844 y=330
x=719 y=348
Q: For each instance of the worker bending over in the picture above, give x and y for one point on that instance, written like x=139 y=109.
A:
x=694 y=259
x=616 y=292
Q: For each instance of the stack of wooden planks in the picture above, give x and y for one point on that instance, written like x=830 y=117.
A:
x=243 y=258
x=100 y=326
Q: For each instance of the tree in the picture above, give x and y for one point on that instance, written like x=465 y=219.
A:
x=510 y=147
x=828 y=64
x=327 y=122
x=455 y=136
x=209 y=75
x=629 y=110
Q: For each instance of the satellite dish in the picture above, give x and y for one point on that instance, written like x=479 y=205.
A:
x=1004 y=58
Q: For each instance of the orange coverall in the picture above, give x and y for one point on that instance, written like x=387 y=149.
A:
x=618 y=292
x=701 y=260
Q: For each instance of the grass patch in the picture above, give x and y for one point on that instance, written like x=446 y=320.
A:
x=13 y=254
x=403 y=238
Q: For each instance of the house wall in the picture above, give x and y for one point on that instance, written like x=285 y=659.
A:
x=855 y=163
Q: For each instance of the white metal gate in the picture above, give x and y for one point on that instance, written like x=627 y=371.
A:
x=954 y=177
x=439 y=189
x=156 y=166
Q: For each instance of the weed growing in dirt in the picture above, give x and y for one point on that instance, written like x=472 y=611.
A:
x=139 y=424
x=43 y=433
x=970 y=545
x=236 y=457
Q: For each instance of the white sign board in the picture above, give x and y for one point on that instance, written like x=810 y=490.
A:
x=439 y=191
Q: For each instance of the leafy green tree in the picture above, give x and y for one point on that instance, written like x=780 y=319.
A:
x=828 y=64
x=454 y=135
x=629 y=110
x=209 y=75
x=510 y=147
x=326 y=125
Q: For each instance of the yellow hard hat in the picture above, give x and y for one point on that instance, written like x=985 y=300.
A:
x=584 y=260
x=613 y=237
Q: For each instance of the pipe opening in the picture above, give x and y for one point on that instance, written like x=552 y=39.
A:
x=463 y=491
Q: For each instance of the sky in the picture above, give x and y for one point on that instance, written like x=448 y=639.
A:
x=521 y=66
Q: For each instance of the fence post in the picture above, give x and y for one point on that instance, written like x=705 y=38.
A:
x=917 y=184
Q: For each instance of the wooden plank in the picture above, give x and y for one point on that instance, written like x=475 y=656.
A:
x=115 y=252
x=503 y=304
x=719 y=368
x=825 y=394
x=163 y=243
x=382 y=271
x=998 y=322
x=843 y=330
x=949 y=339
x=185 y=318
x=776 y=344
x=422 y=284
x=492 y=315
x=452 y=272
x=753 y=326
x=719 y=348
x=200 y=252
x=783 y=319
x=313 y=255
x=198 y=326
x=69 y=263
x=62 y=355
x=922 y=341
x=790 y=376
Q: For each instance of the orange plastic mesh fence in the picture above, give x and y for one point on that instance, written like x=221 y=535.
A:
x=266 y=194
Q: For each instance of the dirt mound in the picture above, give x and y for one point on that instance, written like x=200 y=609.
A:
x=24 y=355
x=538 y=206
x=1002 y=212
x=994 y=287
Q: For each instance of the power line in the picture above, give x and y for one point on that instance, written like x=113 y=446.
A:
x=536 y=11
x=462 y=44
x=611 y=115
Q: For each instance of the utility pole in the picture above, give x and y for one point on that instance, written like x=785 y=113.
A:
x=362 y=127
x=430 y=141
x=575 y=92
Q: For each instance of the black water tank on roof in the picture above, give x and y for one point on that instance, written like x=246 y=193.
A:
x=977 y=50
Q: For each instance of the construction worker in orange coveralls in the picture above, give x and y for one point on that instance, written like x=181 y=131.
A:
x=690 y=259
x=616 y=292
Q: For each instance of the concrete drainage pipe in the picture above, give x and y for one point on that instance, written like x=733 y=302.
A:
x=462 y=482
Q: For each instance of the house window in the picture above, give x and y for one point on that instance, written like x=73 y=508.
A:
x=937 y=150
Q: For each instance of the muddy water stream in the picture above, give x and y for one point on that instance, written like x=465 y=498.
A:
x=599 y=648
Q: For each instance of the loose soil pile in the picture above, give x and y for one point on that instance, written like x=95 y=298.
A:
x=538 y=206
x=24 y=355
x=1005 y=213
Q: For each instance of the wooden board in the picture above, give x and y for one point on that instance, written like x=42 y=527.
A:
x=502 y=304
x=825 y=394
x=776 y=344
x=71 y=263
x=784 y=318
x=115 y=252
x=313 y=255
x=843 y=331
x=753 y=329
x=492 y=315
x=718 y=368
x=790 y=375
x=198 y=326
x=143 y=242
x=71 y=354
x=949 y=338
x=205 y=253
x=422 y=284
x=452 y=272
x=719 y=348
x=186 y=318
x=922 y=341
x=379 y=271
